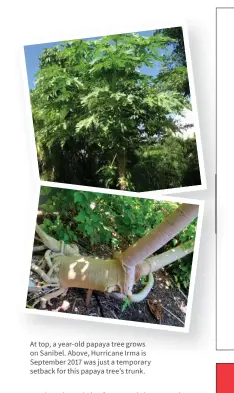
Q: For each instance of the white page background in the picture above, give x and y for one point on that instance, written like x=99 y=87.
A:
x=181 y=362
x=225 y=137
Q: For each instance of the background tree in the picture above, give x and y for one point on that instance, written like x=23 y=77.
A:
x=173 y=74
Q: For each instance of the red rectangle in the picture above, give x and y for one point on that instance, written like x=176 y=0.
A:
x=225 y=378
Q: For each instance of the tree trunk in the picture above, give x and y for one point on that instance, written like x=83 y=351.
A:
x=107 y=275
x=121 y=158
x=120 y=274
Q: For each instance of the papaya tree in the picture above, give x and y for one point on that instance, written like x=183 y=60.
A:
x=93 y=108
x=126 y=266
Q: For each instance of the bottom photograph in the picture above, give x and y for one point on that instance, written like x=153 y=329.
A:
x=113 y=256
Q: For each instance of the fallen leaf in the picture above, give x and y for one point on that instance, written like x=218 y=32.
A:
x=156 y=309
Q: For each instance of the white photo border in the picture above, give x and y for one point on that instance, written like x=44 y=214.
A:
x=145 y=27
x=186 y=327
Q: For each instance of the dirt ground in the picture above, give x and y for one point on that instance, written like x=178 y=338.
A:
x=165 y=305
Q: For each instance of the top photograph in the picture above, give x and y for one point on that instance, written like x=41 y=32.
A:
x=116 y=112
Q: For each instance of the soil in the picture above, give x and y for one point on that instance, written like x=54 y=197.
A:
x=165 y=305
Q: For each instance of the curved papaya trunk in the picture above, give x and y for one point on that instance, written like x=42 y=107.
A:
x=107 y=275
x=78 y=271
x=120 y=273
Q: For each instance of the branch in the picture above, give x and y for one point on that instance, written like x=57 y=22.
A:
x=54 y=244
x=161 y=260
x=159 y=236
x=43 y=275
x=39 y=248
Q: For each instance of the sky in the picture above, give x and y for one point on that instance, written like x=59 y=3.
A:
x=32 y=53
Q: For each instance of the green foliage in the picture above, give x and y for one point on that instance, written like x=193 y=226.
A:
x=143 y=280
x=181 y=269
x=173 y=74
x=95 y=114
x=168 y=164
x=114 y=220
x=181 y=272
x=126 y=303
x=101 y=218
